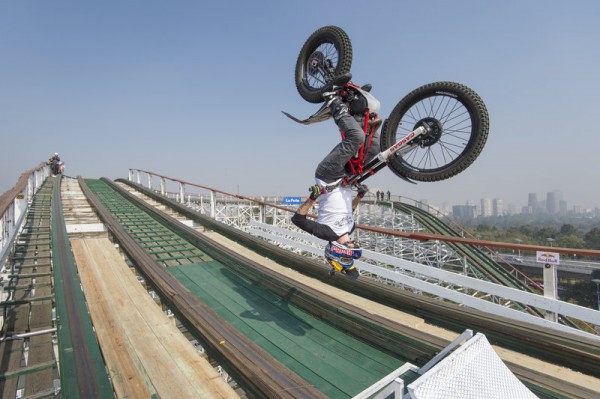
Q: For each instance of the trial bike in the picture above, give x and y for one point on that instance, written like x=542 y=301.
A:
x=435 y=132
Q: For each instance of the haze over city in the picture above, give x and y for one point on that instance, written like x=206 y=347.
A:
x=194 y=90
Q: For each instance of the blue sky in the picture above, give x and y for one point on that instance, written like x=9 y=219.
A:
x=194 y=89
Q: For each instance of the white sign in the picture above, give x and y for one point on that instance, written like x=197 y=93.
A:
x=550 y=258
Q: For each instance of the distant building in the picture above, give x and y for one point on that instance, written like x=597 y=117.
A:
x=532 y=202
x=497 y=207
x=486 y=207
x=512 y=209
x=562 y=207
x=463 y=211
x=551 y=202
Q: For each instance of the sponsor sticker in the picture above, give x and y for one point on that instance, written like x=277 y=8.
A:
x=551 y=258
x=292 y=200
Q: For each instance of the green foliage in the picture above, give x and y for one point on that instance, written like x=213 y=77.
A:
x=582 y=293
x=568 y=229
x=592 y=238
x=583 y=233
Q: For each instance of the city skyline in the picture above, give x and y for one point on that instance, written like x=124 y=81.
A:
x=551 y=202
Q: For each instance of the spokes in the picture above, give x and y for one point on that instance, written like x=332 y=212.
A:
x=456 y=125
x=320 y=65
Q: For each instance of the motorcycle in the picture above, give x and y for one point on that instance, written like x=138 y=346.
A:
x=435 y=132
x=57 y=167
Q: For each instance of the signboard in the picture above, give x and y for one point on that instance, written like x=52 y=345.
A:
x=548 y=258
x=292 y=200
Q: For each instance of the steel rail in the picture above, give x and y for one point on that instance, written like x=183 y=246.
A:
x=252 y=367
x=578 y=353
x=79 y=354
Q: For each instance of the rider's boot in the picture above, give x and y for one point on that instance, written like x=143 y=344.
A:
x=336 y=105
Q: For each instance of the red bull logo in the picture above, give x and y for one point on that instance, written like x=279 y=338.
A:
x=341 y=251
x=548 y=257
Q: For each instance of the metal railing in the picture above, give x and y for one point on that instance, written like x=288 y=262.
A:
x=225 y=207
x=14 y=204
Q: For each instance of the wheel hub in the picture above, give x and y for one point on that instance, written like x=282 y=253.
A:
x=435 y=131
x=316 y=63
x=319 y=65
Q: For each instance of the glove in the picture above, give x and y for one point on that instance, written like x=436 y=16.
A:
x=362 y=190
x=314 y=191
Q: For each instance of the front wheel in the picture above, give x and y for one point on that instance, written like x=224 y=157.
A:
x=325 y=55
x=459 y=126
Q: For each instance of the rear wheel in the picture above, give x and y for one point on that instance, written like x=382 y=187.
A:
x=459 y=125
x=326 y=54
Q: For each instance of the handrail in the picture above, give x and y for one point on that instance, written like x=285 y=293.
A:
x=281 y=236
x=14 y=203
x=396 y=233
x=9 y=195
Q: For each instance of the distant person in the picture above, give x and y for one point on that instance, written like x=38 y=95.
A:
x=54 y=158
x=56 y=166
x=389 y=195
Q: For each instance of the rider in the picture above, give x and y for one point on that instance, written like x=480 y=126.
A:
x=53 y=162
x=335 y=221
x=54 y=157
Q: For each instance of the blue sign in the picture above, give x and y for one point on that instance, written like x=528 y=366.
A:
x=292 y=200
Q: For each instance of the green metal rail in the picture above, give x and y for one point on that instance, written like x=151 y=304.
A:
x=82 y=370
x=162 y=244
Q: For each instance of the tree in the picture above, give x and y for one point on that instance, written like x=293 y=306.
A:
x=592 y=238
x=568 y=230
x=572 y=241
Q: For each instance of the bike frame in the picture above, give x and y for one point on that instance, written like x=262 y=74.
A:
x=404 y=145
x=360 y=170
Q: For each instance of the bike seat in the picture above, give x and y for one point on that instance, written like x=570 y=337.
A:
x=338 y=81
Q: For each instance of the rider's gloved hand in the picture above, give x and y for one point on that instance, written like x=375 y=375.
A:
x=315 y=191
x=362 y=190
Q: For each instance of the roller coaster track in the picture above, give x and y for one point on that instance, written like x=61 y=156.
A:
x=259 y=372
x=252 y=367
x=483 y=264
x=157 y=244
x=524 y=338
x=81 y=360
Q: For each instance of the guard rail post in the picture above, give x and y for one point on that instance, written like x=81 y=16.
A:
x=212 y=204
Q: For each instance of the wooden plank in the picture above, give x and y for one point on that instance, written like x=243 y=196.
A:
x=143 y=349
x=11 y=353
x=122 y=364
x=40 y=353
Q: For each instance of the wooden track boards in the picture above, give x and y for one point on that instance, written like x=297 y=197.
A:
x=144 y=351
